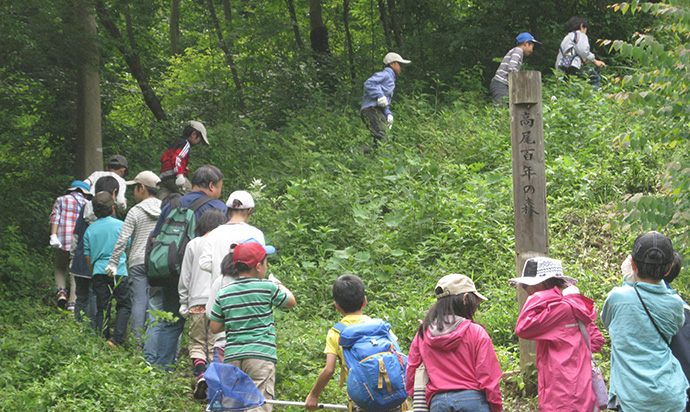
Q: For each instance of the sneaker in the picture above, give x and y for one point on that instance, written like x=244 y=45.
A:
x=201 y=388
x=61 y=298
x=70 y=307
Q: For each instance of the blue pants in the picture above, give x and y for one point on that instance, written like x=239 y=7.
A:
x=106 y=289
x=139 y=292
x=163 y=341
x=85 y=305
x=459 y=401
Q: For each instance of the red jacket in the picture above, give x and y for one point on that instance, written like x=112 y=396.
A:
x=563 y=359
x=461 y=358
x=175 y=160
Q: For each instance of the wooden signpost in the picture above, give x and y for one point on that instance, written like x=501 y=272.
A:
x=529 y=188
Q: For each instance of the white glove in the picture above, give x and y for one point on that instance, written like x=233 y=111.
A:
x=180 y=181
x=382 y=101
x=111 y=270
x=274 y=279
x=389 y=119
x=55 y=242
x=184 y=311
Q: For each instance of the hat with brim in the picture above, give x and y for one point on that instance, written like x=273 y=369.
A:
x=455 y=284
x=653 y=248
x=539 y=269
x=394 y=58
x=201 y=129
x=146 y=178
x=251 y=252
x=79 y=185
x=523 y=37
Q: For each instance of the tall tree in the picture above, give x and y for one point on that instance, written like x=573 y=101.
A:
x=348 y=38
x=89 y=152
x=384 y=22
x=175 y=26
x=295 y=25
x=226 y=45
x=129 y=51
x=395 y=23
x=319 y=32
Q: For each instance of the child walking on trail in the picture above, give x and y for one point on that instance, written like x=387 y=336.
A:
x=62 y=221
x=349 y=300
x=642 y=318
x=194 y=286
x=464 y=373
x=244 y=310
x=551 y=316
x=175 y=160
x=512 y=62
x=99 y=242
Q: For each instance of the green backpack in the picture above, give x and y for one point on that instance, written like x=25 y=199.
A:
x=165 y=253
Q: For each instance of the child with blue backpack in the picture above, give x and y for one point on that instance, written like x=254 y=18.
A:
x=350 y=299
x=464 y=373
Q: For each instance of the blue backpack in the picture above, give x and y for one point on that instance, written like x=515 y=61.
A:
x=375 y=364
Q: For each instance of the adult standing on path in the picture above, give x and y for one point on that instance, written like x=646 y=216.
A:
x=117 y=167
x=378 y=94
x=175 y=160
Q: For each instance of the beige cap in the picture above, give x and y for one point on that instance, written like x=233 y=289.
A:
x=200 y=127
x=146 y=178
x=394 y=58
x=454 y=285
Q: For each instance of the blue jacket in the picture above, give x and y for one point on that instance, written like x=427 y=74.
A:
x=645 y=376
x=380 y=84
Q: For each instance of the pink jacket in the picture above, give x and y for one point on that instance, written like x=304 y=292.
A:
x=460 y=358
x=563 y=359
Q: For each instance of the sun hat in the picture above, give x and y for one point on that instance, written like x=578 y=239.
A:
x=649 y=242
x=523 y=37
x=146 y=178
x=455 y=284
x=251 y=252
x=240 y=199
x=79 y=185
x=539 y=269
x=201 y=129
x=117 y=162
x=394 y=58
x=102 y=202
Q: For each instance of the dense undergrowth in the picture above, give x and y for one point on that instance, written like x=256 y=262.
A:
x=436 y=200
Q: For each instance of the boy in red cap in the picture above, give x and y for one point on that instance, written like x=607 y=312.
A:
x=244 y=310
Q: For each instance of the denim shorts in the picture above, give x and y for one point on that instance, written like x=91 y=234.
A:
x=459 y=401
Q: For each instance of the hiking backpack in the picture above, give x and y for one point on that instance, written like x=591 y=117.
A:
x=375 y=364
x=165 y=253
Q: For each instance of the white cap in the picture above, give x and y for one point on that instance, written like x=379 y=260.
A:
x=146 y=178
x=240 y=199
x=394 y=58
x=200 y=127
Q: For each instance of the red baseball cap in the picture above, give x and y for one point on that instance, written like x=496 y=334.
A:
x=251 y=253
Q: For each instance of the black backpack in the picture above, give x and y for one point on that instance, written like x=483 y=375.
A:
x=164 y=254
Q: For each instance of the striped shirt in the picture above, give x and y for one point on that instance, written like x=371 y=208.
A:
x=64 y=215
x=512 y=62
x=246 y=308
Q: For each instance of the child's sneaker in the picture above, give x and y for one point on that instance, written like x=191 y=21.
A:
x=70 y=307
x=201 y=388
x=61 y=298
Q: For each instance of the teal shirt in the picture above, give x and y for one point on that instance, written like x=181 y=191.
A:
x=99 y=242
x=645 y=376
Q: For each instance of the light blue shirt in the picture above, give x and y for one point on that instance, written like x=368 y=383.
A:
x=99 y=242
x=645 y=376
x=380 y=84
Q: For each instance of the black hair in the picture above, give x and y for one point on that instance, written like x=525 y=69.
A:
x=675 y=269
x=348 y=293
x=101 y=210
x=106 y=184
x=551 y=283
x=242 y=267
x=205 y=175
x=655 y=271
x=209 y=220
x=575 y=22
x=227 y=268
x=152 y=191
x=441 y=314
x=188 y=130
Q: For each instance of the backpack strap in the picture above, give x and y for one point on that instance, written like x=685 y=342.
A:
x=196 y=205
x=340 y=327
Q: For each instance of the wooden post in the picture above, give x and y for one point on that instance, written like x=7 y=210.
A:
x=529 y=190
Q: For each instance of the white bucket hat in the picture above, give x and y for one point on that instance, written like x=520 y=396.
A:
x=539 y=269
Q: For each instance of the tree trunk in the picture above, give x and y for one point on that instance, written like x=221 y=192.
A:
x=397 y=31
x=384 y=22
x=132 y=59
x=348 y=37
x=175 y=27
x=295 y=25
x=319 y=32
x=88 y=147
x=226 y=46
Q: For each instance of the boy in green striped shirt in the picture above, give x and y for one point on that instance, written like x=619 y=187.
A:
x=244 y=310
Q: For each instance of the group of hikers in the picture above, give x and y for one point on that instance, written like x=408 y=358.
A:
x=181 y=251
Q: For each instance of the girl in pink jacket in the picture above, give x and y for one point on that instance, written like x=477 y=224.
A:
x=550 y=316
x=459 y=356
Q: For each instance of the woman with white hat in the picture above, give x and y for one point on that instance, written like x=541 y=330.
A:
x=552 y=316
